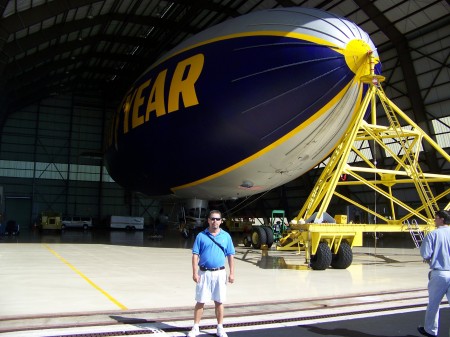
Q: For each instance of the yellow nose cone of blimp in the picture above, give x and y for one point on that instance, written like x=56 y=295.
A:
x=358 y=57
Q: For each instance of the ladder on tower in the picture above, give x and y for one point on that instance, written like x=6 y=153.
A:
x=416 y=233
x=410 y=149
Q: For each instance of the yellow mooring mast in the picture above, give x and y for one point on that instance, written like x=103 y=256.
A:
x=328 y=244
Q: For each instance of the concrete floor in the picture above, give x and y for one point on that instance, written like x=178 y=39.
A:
x=120 y=283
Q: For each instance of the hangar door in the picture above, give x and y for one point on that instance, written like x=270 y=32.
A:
x=18 y=209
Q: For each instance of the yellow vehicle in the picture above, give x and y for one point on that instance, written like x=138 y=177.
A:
x=50 y=220
x=329 y=242
x=239 y=224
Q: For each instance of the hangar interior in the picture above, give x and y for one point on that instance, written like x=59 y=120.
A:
x=65 y=66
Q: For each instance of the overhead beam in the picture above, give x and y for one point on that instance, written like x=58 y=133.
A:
x=57 y=31
x=35 y=60
x=35 y=15
x=208 y=5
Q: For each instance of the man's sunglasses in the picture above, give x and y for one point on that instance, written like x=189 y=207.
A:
x=215 y=219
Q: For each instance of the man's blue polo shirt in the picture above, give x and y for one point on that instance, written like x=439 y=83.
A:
x=211 y=255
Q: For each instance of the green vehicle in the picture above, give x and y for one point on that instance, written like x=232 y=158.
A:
x=266 y=235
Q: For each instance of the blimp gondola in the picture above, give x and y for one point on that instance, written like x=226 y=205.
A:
x=242 y=107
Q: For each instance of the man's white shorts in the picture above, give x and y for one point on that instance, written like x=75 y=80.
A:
x=212 y=286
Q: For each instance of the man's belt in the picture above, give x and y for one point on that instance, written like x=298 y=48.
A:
x=211 y=269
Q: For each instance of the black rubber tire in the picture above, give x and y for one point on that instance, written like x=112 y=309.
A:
x=259 y=237
x=322 y=259
x=269 y=235
x=344 y=257
x=247 y=241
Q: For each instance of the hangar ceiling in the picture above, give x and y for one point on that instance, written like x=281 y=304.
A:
x=53 y=47
x=88 y=47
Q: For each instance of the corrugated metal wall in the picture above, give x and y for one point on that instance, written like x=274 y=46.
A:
x=50 y=159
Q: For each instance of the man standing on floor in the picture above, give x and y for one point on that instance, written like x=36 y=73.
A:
x=435 y=249
x=210 y=249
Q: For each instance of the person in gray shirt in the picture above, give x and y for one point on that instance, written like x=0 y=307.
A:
x=435 y=250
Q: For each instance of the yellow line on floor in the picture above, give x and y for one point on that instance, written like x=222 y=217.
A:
x=112 y=299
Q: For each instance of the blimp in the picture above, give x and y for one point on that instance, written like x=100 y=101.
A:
x=242 y=107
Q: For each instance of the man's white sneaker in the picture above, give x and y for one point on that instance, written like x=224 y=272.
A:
x=193 y=333
x=221 y=333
